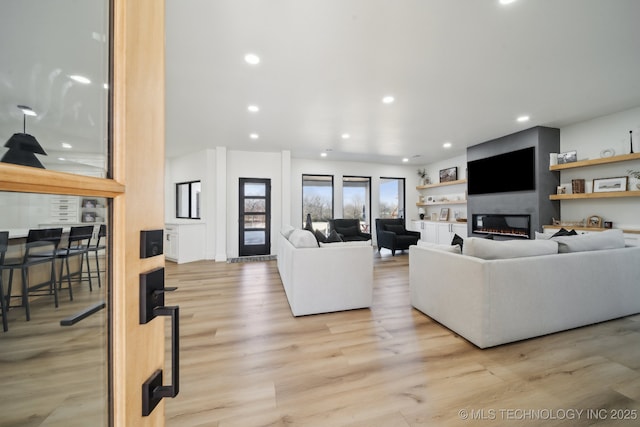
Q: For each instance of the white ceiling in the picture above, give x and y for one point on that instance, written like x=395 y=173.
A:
x=460 y=70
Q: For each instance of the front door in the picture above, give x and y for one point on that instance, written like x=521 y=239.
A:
x=255 y=216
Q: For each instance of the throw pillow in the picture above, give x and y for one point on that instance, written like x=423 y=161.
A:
x=454 y=249
x=308 y=226
x=286 y=231
x=610 y=239
x=395 y=228
x=303 y=239
x=565 y=232
x=347 y=231
x=457 y=240
x=320 y=237
x=505 y=249
x=333 y=237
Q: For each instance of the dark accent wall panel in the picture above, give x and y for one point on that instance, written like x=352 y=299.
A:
x=535 y=203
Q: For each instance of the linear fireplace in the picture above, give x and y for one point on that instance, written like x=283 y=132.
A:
x=503 y=225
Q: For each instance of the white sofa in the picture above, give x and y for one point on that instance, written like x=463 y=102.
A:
x=496 y=301
x=334 y=277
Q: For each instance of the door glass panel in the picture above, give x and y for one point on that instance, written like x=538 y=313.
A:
x=54 y=375
x=58 y=67
x=254 y=205
x=255 y=221
x=254 y=237
x=254 y=189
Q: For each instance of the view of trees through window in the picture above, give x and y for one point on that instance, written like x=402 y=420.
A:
x=356 y=198
x=317 y=199
x=392 y=198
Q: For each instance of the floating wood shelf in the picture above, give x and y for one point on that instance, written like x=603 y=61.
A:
x=602 y=161
x=628 y=231
x=605 y=195
x=441 y=184
x=448 y=202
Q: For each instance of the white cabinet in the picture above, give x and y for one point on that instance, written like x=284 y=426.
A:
x=446 y=232
x=439 y=232
x=63 y=209
x=184 y=242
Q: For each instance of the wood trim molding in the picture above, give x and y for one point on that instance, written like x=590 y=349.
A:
x=33 y=180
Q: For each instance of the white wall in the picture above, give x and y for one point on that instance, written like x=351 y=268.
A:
x=589 y=138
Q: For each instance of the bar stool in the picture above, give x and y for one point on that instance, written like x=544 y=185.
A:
x=77 y=246
x=4 y=244
x=95 y=248
x=40 y=248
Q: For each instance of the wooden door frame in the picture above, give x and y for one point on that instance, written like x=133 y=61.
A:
x=137 y=190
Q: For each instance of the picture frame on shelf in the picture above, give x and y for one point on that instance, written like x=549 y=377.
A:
x=449 y=174
x=605 y=185
x=594 y=221
x=89 y=203
x=444 y=214
x=567 y=157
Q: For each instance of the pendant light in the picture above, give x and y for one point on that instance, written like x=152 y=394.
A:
x=22 y=146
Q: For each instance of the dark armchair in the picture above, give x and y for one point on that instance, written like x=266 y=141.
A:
x=348 y=229
x=392 y=234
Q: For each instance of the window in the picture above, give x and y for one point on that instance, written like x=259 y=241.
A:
x=356 y=199
x=188 y=199
x=392 y=198
x=317 y=199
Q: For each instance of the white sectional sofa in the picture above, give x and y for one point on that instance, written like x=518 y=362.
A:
x=334 y=277
x=515 y=296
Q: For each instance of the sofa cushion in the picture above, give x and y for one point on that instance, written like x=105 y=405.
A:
x=454 y=249
x=504 y=249
x=303 y=239
x=349 y=243
x=347 y=231
x=395 y=228
x=609 y=239
x=286 y=231
x=333 y=237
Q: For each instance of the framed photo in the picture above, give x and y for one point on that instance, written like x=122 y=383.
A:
x=603 y=185
x=568 y=157
x=89 y=203
x=444 y=214
x=594 y=221
x=449 y=174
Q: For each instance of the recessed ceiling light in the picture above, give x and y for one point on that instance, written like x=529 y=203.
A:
x=405 y=160
x=345 y=136
x=523 y=119
x=506 y=1
x=254 y=136
x=253 y=108
x=447 y=145
x=388 y=99
x=324 y=154
x=62 y=159
x=66 y=145
x=106 y=86
x=252 y=58
x=80 y=79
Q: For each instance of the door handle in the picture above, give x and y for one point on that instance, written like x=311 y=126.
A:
x=152 y=292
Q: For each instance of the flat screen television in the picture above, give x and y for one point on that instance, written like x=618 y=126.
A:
x=512 y=171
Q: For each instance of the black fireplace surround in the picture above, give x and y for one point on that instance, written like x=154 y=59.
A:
x=503 y=225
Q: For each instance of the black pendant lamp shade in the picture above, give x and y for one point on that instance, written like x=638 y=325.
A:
x=22 y=149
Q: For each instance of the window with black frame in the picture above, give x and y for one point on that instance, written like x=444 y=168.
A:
x=188 y=199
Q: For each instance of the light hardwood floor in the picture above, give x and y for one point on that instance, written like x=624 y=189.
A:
x=246 y=361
